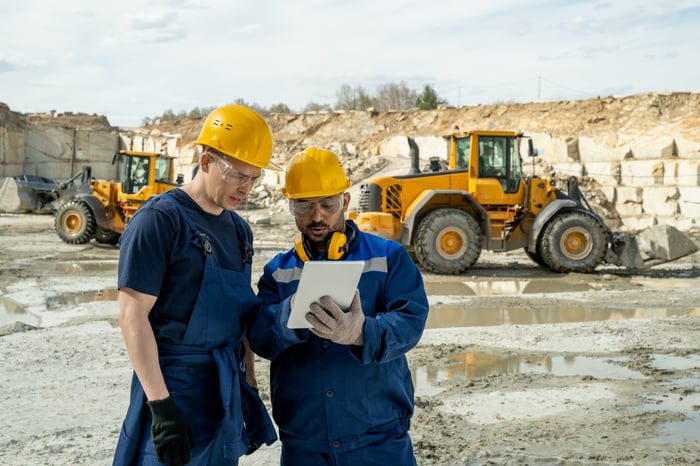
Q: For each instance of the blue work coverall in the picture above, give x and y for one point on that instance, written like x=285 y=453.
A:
x=329 y=398
x=198 y=357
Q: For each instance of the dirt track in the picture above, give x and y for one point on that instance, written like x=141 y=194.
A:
x=536 y=368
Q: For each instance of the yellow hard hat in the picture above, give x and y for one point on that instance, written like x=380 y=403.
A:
x=240 y=133
x=314 y=172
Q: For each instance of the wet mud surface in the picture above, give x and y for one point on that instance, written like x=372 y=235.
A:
x=518 y=365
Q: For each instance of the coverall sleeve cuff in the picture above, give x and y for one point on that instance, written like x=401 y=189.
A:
x=289 y=336
x=365 y=353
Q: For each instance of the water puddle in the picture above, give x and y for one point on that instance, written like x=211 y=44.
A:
x=11 y=311
x=466 y=366
x=465 y=314
x=549 y=285
x=677 y=432
x=77 y=267
x=80 y=297
x=670 y=362
x=488 y=287
x=682 y=397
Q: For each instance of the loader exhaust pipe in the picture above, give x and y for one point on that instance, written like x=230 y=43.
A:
x=413 y=154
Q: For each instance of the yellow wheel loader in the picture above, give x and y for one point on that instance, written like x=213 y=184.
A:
x=479 y=198
x=104 y=210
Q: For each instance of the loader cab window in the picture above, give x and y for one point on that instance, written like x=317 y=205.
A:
x=162 y=169
x=134 y=174
x=463 y=153
x=499 y=157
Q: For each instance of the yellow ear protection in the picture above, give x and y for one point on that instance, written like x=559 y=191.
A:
x=337 y=246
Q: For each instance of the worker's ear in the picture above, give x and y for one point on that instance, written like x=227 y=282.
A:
x=205 y=161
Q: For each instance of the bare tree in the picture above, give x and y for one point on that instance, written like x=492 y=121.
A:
x=394 y=96
x=352 y=98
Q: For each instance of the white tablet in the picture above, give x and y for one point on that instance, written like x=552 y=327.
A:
x=337 y=279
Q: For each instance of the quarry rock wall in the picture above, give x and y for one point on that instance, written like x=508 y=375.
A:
x=642 y=152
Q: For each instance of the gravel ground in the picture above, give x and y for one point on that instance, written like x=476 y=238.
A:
x=518 y=365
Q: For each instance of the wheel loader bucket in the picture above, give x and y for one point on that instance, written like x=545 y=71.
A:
x=16 y=197
x=653 y=246
x=664 y=243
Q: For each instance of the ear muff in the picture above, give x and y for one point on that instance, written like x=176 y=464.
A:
x=300 y=248
x=337 y=246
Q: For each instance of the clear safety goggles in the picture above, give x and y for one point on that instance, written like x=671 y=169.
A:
x=233 y=176
x=328 y=206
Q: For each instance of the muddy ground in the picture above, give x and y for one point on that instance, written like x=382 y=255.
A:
x=518 y=365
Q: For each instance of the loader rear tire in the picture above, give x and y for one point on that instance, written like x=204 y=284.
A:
x=106 y=236
x=573 y=242
x=75 y=223
x=447 y=241
x=535 y=257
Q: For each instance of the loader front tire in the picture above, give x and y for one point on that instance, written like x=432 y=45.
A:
x=106 y=236
x=75 y=223
x=447 y=241
x=573 y=242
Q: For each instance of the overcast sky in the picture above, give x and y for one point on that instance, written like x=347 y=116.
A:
x=132 y=59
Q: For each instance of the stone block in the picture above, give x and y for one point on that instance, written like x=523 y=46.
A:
x=429 y=146
x=689 y=209
x=395 y=146
x=605 y=173
x=636 y=223
x=641 y=172
x=629 y=210
x=629 y=194
x=646 y=147
x=554 y=150
x=670 y=172
x=688 y=173
x=687 y=148
x=660 y=200
x=610 y=193
x=568 y=169
x=689 y=194
x=602 y=149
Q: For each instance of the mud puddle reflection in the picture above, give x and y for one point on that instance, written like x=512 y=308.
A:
x=80 y=297
x=465 y=366
x=451 y=306
x=680 y=397
x=11 y=311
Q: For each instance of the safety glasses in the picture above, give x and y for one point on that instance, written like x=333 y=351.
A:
x=328 y=206
x=233 y=176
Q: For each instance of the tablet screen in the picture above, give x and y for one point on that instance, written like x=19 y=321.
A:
x=337 y=279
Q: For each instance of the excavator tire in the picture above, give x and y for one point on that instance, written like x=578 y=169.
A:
x=75 y=223
x=447 y=241
x=573 y=242
x=106 y=236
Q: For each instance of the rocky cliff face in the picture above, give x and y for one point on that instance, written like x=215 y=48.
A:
x=639 y=155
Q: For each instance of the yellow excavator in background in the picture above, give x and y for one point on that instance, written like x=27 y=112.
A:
x=104 y=210
x=479 y=198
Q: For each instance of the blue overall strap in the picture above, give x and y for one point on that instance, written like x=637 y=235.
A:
x=200 y=239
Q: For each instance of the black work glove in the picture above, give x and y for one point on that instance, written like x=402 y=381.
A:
x=172 y=434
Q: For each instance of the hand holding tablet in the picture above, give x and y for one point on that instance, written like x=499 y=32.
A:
x=337 y=279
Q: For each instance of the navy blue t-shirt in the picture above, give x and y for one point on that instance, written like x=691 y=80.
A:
x=160 y=256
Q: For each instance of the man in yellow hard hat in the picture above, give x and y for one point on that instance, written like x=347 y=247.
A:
x=341 y=391
x=185 y=295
